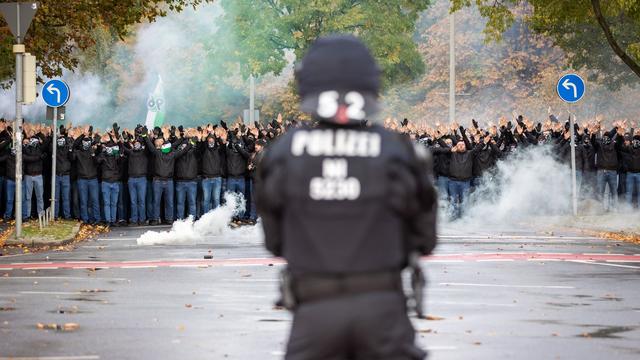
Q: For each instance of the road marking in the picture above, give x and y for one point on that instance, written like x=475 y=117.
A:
x=60 y=278
x=470 y=303
x=6 y=269
x=510 y=286
x=265 y=261
x=139 y=267
x=50 y=292
x=81 y=357
x=606 y=264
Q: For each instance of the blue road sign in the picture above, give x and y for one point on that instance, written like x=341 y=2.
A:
x=55 y=93
x=570 y=88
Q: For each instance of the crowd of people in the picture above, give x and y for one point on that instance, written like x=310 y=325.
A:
x=153 y=176
x=136 y=177
x=607 y=159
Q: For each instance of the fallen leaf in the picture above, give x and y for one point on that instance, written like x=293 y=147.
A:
x=187 y=306
x=426 y=331
x=433 y=317
x=477 y=343
x=70 y=327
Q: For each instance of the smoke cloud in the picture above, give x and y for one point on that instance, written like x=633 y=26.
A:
x=188 y=231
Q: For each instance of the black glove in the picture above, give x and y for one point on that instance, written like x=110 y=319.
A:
x=224 y=125
x=475 y=123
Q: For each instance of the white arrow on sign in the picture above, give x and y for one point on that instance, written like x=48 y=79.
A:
x=51 y=89
x=567 y=84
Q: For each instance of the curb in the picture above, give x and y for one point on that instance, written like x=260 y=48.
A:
x=40 y=241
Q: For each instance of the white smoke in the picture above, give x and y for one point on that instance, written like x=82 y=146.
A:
x=529 y=183
x=188 y=231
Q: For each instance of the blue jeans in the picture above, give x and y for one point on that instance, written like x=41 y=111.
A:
x=63 y=196
x=138 y=198
x=211 y=189
x=10 y=198
x=443 y=187
x=88 y=191
x=160 y=187
x=604 y=178
x=633 y=183
x=150 y=211
x=110 y=191
x=253 y=215
x=122 y=216
x=459 y=191
x=32 y=183
x=236 y=184
x=186 y=190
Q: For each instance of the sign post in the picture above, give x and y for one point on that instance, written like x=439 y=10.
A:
x=55 y=94
x=18 y=16
x=571 y=89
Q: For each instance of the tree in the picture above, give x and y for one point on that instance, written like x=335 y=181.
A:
x=61 y=30
x=580 y=28
x=269 y=30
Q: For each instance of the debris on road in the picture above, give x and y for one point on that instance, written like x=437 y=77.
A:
x=58 y=327
x=433 y=317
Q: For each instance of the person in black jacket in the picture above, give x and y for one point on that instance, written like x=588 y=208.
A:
x=460 y=172
x=254 y=160
x=632 y=165
x=186 y=176
x=137 y=158
x=237 y=156
x=214 y=165
x=108 y=161
x=607 y=165
x=86 y=166
x=8 y=159
x=33 y=180
x=64 y=149
x=163 y=160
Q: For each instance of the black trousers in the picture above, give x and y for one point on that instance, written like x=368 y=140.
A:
x=372 y=326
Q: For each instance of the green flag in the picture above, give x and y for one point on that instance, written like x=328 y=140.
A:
x=155 y=106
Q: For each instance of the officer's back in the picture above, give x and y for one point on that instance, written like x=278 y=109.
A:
x=348 y=218
x=345 y=205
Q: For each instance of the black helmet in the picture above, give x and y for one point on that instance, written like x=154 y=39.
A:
x=338 y=80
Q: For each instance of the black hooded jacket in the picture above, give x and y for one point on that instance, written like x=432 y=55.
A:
x=213 y=159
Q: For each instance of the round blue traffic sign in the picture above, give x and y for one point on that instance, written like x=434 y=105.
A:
x=55 y=93
x=570 y=88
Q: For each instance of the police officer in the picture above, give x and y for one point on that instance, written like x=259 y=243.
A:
x=345 y=205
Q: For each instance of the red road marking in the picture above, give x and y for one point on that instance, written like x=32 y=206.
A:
x=278 y=261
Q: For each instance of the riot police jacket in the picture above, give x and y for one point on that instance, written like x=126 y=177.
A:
x=213 y=159
x=343 y=199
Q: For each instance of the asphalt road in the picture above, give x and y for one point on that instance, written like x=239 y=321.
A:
x=497 y=294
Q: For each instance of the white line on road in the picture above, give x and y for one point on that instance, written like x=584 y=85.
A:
x=6 y=269
x=85 y=262
x=470 y=303
x=605 y=264
x=50 y=292
x=60 y=278
x=82 y=357
x=494 y=260
x=510 y=286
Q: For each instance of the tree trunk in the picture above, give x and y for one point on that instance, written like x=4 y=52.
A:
x=630 y=62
